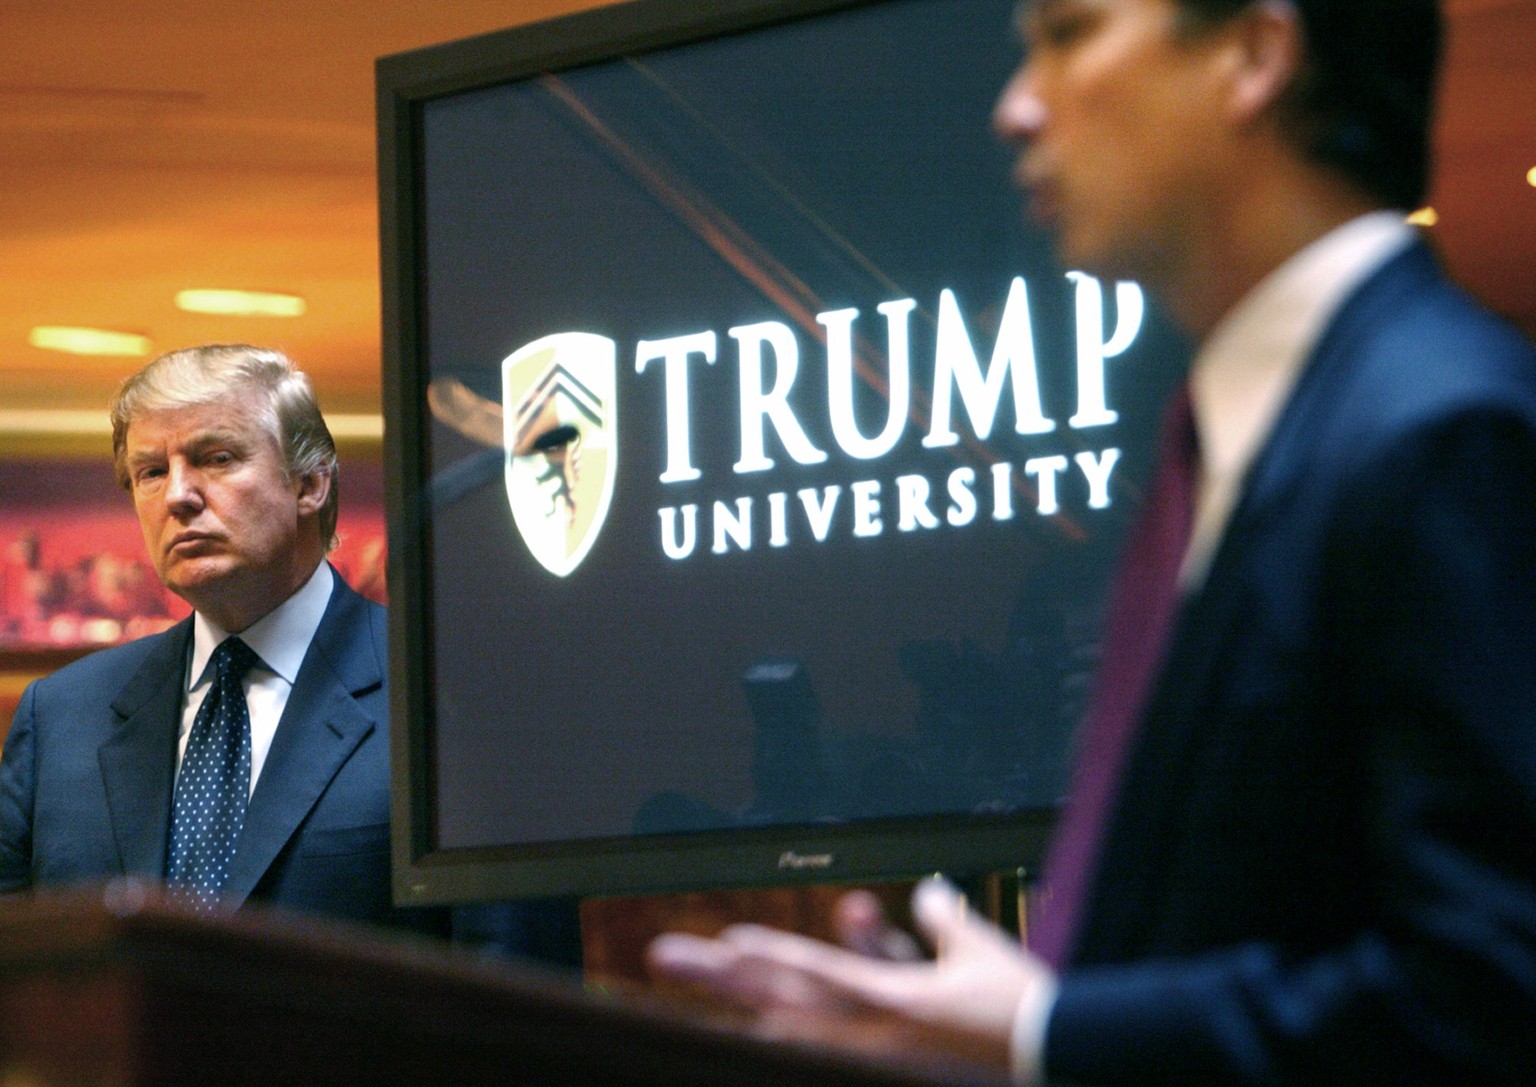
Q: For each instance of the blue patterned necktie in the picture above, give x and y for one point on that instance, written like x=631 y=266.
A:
x=208 y=808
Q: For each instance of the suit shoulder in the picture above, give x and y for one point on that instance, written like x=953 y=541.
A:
x=109 y=668
x=1434 y=337
x=1411 y=350
x=1408 y=359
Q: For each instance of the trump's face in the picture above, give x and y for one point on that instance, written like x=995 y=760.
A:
x=227 y=528
x=1114 y=113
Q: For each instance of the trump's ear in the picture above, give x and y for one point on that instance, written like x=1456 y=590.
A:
x=1267 y=51
x=314 y=489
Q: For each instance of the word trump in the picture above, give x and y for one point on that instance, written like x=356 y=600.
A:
x=769 y=360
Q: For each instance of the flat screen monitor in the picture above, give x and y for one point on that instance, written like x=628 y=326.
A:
x=754 y=470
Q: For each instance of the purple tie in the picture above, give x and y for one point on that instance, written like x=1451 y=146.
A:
x=1146 y=596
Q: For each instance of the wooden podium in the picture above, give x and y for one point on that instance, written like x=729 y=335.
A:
x=116 y=987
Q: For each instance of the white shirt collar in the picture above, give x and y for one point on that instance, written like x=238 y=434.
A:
x=280 y=638
x=1244 y=372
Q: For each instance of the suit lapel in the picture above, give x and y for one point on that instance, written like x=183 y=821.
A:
x=321 y=726
x=138 y=762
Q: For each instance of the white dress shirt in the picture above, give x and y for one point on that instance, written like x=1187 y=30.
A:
x=1239 y=381
x=281 y=639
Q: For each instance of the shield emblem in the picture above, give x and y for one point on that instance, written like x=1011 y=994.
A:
x=560 y=418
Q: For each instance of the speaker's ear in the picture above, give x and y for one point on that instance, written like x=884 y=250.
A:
x=1268 y=49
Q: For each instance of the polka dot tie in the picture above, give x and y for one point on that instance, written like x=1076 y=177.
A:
x=208 y=809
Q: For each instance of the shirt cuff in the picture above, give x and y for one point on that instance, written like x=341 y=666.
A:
x=1026 y=1042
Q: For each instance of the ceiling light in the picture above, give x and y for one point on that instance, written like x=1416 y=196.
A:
x=1424 y=217
x=241 y=303
x=88 y=341
x=1530 y=177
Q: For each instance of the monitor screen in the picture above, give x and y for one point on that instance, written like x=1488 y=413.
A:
x=755 y=472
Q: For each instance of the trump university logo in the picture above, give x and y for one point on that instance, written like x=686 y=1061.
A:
x=560 y=412
x=560 y=415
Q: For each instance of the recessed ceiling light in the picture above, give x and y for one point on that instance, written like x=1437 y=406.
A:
x=88 y=341
x=1424 y=217
x=241 y=303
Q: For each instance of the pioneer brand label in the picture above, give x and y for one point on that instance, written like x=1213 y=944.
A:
x=791 y=861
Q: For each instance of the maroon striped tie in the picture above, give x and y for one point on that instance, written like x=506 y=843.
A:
x=1141 y=615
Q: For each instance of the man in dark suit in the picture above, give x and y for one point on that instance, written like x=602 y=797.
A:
x=232 y=473
x=1309 y=857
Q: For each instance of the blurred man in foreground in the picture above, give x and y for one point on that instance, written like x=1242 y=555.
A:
x=1298 y=847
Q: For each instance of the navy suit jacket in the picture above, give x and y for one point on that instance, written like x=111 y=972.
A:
x=89 y=764
x=1322 y=868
